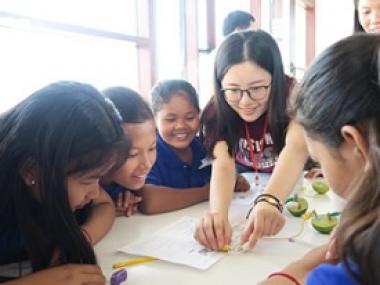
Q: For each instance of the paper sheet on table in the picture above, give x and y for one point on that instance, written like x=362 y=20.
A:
x=175 y=243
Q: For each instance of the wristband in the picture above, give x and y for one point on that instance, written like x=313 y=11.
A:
x=270 y=202
x=286 y=275
x=268 y=198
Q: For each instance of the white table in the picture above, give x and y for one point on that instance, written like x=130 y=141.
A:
x=247 y=268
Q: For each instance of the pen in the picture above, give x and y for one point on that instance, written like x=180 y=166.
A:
x=132 y=262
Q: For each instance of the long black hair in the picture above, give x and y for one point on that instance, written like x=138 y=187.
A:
x=358 y=28
x=258 y=47
x=341 y=88
x=65 y=128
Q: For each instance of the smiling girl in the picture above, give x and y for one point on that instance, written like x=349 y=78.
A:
x=138 y=123
x=180 y=177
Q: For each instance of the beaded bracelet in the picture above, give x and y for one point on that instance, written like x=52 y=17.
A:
x=286 y=275
x=269 y=196
x=264 y=198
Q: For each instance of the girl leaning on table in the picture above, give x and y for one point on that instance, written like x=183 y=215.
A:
x=54 y=147
x=246 y=125
x=338 y=105
x=124 y=184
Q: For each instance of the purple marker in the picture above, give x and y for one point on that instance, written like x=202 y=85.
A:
x=118 y=277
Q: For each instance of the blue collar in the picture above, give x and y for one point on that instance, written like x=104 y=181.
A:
x=166 y=153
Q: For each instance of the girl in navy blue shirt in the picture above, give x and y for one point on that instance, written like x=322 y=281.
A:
x=181 y=175
x=124 y=184
x=338 y=105
x=54 y=147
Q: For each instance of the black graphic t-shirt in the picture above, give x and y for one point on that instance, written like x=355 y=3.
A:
x=264 y=155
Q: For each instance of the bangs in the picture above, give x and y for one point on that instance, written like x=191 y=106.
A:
x=103 y=160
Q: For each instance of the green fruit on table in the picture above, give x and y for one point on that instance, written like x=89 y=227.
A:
x=297 y=206
x=324 y=223
x=320 y=187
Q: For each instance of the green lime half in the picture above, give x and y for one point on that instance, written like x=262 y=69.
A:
x=297 y=208
x=324 y=223
x=320 y=187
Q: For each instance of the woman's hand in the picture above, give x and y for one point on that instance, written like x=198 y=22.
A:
x=70 y=274
x=213 y=231
x=127 y=203
x=264 y=220
x=241 y=184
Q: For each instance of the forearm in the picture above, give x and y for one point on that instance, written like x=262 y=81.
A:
x=286 y=173
x=295 y=269
x=101 y=217
x=222 y=186
x=160 y=199
x=290 y=164
x=301 y=268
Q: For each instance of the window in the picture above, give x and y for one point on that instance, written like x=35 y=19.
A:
x=90 y=41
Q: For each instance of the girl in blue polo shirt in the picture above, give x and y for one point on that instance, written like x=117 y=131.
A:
x=54 y=147
x=338 y=105
x=180 y=177
x=137 y=121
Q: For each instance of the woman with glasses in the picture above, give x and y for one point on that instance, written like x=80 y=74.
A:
x=246 y=127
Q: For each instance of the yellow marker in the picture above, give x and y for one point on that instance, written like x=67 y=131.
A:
x=132 y=262
x=225 y=248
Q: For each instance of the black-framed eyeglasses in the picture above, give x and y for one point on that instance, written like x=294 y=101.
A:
x=256 y=93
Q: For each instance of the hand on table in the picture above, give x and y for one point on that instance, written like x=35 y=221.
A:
x=213 y=231
x=264 y=220
x=70 y=274
x=241 y=184
x=126 y=204
x=313 y=173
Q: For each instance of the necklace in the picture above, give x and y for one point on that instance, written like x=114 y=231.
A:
x=260 y=149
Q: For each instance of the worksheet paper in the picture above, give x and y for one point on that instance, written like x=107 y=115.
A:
x=175 y=243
